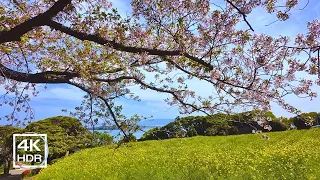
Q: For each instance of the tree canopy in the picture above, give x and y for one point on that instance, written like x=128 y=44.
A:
x=65 y=134
x=101 y=139
x=306 y=120
x=89 y=45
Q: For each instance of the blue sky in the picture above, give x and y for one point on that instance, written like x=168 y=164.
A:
x=57 y=97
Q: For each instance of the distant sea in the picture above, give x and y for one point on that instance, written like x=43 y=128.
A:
x=147 y=124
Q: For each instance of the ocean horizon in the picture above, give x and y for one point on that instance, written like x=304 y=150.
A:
x=145 y=124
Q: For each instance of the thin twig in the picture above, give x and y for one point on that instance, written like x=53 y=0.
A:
x=242 y=13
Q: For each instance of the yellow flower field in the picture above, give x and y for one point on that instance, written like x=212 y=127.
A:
x=286 y=155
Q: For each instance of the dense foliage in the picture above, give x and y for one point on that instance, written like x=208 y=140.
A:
x=286 y=155
x=306 y=120
x=65 y=134
x=101 y=139
x=217 y=124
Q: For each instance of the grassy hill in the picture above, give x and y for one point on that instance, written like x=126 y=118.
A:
x=287 y=155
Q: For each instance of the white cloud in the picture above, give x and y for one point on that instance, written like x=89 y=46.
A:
x=61 y=93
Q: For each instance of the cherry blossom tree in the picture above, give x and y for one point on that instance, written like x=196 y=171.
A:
x=87 y=44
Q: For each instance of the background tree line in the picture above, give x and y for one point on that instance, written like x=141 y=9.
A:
x=223 y=124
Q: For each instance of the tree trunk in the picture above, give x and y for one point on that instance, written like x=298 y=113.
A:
x=67 y=153
x=6 y=166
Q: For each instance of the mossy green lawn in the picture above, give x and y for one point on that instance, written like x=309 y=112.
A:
x=286 y=155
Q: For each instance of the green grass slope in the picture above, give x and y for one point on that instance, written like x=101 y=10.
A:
x=287 y=155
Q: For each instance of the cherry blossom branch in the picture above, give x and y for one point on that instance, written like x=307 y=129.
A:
x=65 y=77
x=134 y=64
x=206 y=78
x=153 y=88
x=106 y=103
x=313 y=48
x=51 y=77
x=15 y=33
x=117 y=46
